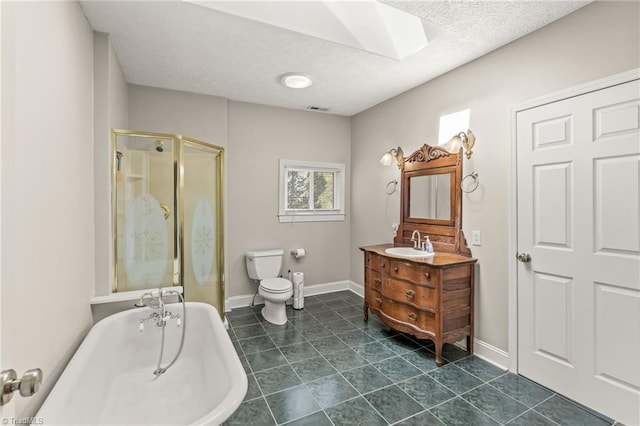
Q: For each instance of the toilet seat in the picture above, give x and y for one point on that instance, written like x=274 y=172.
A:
x=276 y=285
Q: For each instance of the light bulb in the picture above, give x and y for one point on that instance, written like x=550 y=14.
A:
x=386 y=159
x=454 y=145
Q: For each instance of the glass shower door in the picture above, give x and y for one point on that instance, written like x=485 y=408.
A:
x=201 y=192
x=144 y=216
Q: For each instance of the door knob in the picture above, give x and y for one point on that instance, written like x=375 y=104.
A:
x=27 y=385
x=524 y=257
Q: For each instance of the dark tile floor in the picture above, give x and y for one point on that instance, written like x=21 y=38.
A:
x=328 y=367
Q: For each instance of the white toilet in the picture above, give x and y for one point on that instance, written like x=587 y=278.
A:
x=265 y=267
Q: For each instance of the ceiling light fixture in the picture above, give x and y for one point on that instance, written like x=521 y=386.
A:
x=296 y=80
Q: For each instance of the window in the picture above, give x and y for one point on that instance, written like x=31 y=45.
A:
x=311 y=191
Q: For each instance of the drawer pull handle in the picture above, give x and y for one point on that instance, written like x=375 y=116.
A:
x=410 y=293
x=395 y=269
x=427 y=274
x=378 y=301
x=383 y=265
x=412 y=316
x=378 y=281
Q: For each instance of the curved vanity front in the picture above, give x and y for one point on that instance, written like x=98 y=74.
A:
x=430 y=298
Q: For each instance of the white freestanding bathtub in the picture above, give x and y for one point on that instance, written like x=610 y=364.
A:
x=110 y=380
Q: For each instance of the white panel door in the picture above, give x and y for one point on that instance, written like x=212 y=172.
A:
x=578 y=164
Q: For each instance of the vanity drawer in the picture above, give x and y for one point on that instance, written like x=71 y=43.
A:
x=419 y=274
x=378 y=263
x=375 y=280
x=406 y=292
x=403 y=313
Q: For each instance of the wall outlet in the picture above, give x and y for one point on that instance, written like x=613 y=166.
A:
x=476 y=238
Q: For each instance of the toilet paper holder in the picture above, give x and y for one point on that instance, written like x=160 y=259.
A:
x=298 y=253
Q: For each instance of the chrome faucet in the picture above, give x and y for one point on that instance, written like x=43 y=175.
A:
x=144 y=300
x=160 y=316
x=153 y=299
x=416 y=241
x=417 y=244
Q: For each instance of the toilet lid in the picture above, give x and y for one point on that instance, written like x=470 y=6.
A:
x=276 y=285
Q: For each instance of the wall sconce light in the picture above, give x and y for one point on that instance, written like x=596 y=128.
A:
x=461 y=139
x=388 y=157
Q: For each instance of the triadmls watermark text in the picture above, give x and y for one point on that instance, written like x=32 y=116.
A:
x=22 y=421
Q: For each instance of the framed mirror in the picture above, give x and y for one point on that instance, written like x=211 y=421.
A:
x=430 y=197
x=431 y=200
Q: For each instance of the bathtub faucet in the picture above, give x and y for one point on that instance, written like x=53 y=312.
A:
x=154 y=301
x=159 y=319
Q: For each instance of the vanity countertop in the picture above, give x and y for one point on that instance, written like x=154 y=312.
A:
x=439 y=259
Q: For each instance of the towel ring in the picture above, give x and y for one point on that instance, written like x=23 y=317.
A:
x=395 y=186
x=474 y=176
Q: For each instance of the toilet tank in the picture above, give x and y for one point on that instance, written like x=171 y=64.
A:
x=264 y=264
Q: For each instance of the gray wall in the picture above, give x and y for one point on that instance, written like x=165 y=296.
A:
x=47 y=188
x=110 y=112
x=200 y=117
x=596 y=41
x=258 y=137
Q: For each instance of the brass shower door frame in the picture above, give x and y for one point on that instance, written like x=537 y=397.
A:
x=219 y=152
x=177 y=152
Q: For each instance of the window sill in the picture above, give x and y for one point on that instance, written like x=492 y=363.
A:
x=289 y=218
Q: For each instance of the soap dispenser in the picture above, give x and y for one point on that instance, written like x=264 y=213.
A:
x=427 y=245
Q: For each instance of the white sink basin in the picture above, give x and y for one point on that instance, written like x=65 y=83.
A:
x=407 y=252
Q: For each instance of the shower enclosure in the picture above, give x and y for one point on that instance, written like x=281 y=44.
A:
x=167 y=215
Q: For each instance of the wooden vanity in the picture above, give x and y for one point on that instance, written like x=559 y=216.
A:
x=428 y=297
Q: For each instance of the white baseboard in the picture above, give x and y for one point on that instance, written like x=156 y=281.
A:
x=491 y=354
x=234 y=302
x=356 y=288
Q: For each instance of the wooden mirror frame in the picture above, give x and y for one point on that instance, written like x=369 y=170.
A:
x=446 y=235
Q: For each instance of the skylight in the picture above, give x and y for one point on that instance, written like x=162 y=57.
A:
x=366 y=25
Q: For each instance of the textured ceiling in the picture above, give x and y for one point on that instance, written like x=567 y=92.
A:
x=183 y=46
